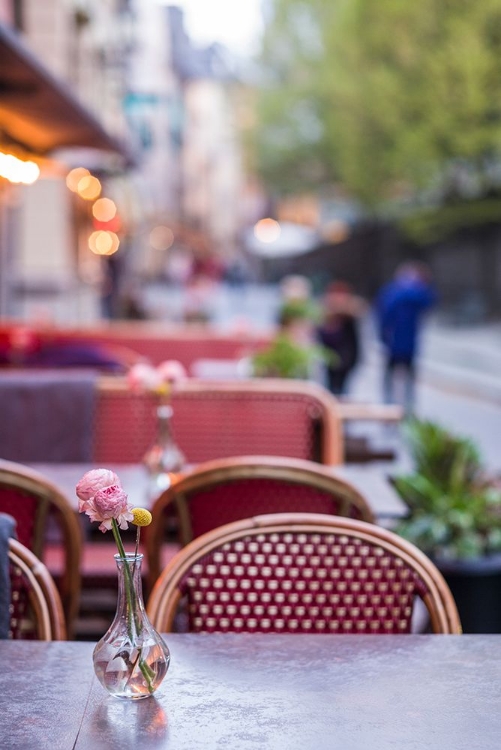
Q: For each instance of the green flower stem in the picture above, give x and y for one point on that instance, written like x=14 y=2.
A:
x=129 y=587
x=132 y=623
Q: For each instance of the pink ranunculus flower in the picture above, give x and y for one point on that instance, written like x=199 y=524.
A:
x=171 y=371
x=91 y=482
x=142 y=376
x=107 y=504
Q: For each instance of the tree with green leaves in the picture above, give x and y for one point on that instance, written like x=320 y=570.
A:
x=388 y=98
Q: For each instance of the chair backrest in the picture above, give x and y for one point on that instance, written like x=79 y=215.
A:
x=153 y=340
x=40 y=509
x=219 y=419
x=301 y=573
x=36 y=609
x=217 y=492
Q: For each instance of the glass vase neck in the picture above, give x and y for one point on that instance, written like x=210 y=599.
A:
x=164 y=411
x=130 y=587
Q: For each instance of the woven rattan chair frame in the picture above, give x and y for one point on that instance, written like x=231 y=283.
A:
x=167 y=593
x=290 y=472
x=27 y=482
x=218 y=419
x=44 y=602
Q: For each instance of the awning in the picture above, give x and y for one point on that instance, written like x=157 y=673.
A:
x=38 y=112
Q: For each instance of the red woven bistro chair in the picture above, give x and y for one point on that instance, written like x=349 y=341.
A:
x=36 y=609
x=219 y=419
x=224 y=490
x=300 y=573
x=43 y=515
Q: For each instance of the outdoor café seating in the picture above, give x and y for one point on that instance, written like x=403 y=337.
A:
x=217 y=492
x=218 y=419
x=45 y=517
x=36 y=609
x=300 y=573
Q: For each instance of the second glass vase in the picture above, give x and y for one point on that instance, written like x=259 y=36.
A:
x=164 y=456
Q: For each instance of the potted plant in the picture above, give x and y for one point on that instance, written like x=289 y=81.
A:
x=455 y=518
x=293 y=352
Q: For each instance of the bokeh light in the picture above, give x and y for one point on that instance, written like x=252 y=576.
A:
x=267 y=230
x=104 y=209
x=161 y=238
x=18 y=171
x=74 y=177
x=89 y=188
x=103 y=242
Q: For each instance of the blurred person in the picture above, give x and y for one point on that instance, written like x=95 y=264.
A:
x=400 y=307
x=338 y=333
x=132 y=306
x=112 y=271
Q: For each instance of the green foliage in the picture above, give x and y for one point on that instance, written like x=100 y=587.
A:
x=445 y=459
x=455 y=513
x=386 y=97
x=297 y=309
x=283 y=359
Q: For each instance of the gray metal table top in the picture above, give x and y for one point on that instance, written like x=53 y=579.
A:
x=270 y=692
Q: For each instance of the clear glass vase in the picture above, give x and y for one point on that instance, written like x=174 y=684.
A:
x=164 y=456
x=131 y=659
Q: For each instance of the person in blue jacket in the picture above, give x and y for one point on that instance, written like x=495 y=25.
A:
x=400 y=307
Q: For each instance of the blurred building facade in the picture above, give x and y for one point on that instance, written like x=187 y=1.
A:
x=211 y=171
x=131 y=64
x=79 y=49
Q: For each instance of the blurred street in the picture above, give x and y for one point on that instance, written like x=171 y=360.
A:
x=457 y=385
x=459 y=372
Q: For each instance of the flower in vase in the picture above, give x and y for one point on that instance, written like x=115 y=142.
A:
x=143 y=377
x=171 y=371
x=103 y=499
x=159 y=380
x=141 y=517
x=108 y=504
x=91 y=482
x=131 y=662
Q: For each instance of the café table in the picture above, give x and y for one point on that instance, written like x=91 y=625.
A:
x=263 y=691
x=373 y=482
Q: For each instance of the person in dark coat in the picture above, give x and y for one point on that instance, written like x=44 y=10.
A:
x=338 y=334
x=400 y=307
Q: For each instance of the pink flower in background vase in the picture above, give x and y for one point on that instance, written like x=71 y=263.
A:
x=143 y=377
x=171 y=371
x=93 y=481
x=159 y=380
x=164 y=456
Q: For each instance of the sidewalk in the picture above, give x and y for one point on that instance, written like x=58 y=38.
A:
x=458 y=383
x=466 y=359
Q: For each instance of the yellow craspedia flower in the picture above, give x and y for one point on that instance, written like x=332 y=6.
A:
x=141 y=517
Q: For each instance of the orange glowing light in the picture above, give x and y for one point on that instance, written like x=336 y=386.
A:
x=89 y=188
x=267 y=230
x=103 y=242
x=104 y=209
x=18 y=171
x=74 y=177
